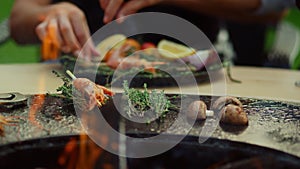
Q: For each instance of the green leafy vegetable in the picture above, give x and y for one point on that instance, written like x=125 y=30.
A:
x=66 y=89
x=141 y=101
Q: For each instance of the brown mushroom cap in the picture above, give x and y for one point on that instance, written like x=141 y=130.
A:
x=224 y=101
x=233 y=114
x=197 y=110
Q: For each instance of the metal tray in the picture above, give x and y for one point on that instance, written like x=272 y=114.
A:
x=160 y=79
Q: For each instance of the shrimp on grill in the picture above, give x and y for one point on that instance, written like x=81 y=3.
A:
x=94 y=94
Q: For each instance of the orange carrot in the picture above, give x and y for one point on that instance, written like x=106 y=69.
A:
x=50 y=46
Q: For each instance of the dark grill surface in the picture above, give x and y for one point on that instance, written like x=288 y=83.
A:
x=272 y=124
x=213 y=154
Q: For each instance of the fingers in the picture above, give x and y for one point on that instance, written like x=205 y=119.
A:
x=118 y=9
x=53 y=30
x=83 y=36
x=80 y=28
x=88 y=51
x=64 y=34
x=130 y=8
x=103 y=4
x=69 y=36
x=68 y=28
x=93 y=50
x=50 y=28
x=111 y=10
x=133 y=6
x=41 y=30
x=51 y=39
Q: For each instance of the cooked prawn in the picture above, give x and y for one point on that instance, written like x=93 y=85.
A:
x=94 y=94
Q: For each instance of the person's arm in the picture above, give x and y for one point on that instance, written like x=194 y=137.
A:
x=237 y=10
x=241 y=10
x=25 y=16
x=31 y=20
x=275 y=5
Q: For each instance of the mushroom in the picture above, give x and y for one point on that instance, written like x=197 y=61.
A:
x=231 y=110
x=233 y=114
x=197 y=110
x=224 y=101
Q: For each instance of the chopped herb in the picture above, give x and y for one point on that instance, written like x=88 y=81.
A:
x=66 y=89
x=142 y=101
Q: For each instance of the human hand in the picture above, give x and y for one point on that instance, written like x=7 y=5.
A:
x=69 y=29
x=119 y=8
x=110 y=8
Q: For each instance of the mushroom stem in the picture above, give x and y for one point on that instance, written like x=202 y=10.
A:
x=210 y=113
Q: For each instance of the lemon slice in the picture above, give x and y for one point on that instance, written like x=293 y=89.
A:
x=111 y=42
x=171 y=50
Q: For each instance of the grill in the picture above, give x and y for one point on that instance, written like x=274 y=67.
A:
x=213 y=154
x=270 y=140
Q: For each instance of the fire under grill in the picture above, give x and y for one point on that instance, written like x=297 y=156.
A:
x=46 y=153
x=269 y=141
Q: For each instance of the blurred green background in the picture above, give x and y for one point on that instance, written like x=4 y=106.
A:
x=10 y=52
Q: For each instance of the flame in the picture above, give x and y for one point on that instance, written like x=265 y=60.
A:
x=82 y=153
x=37 y=103
x=82 y=156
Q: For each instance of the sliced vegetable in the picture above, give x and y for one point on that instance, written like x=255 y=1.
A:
x=171 y=50
x=133 y=43
x=112 y=42
x=50 y=45
x=148 y=45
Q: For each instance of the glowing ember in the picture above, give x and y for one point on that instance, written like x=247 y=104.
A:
x=6 y=121
x=82 y=153
x=37 y=103
x=79 y=157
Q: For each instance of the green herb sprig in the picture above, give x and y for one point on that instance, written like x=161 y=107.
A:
x=66 y=89
x=141 y=101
